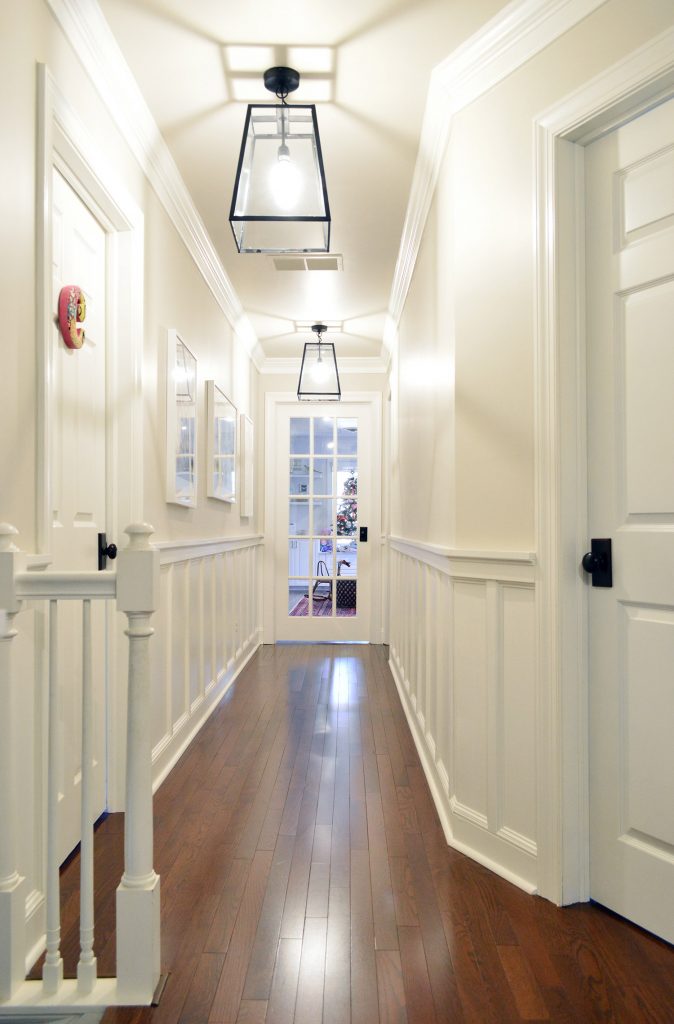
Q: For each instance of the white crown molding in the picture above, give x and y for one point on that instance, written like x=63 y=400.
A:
x=83 y=23
x=352 y=364
x=509 y=40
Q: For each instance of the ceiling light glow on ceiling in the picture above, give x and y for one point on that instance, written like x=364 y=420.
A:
x=280 y=201
x=319 y=377
x=313 y=58
x=248 y=58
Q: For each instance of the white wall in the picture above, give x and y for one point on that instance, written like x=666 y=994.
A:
x=463 y=448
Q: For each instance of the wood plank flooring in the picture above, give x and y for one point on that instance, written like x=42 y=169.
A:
x=305 y=878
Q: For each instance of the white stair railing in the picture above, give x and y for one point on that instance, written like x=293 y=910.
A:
x=135 y=586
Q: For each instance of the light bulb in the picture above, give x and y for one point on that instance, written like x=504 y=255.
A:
x=320 y=371
x=285 y=180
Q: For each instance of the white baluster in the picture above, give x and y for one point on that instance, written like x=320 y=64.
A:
x=52 y=973
x=86 y=968
x=138 y=925
x=12 y=894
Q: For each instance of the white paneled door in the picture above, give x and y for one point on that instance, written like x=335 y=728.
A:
x=325 y=569
x=77 y=487
x=630 y=337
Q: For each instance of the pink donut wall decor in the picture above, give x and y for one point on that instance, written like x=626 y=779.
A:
x=72 y=311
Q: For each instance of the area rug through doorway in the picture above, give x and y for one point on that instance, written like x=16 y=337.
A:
x=320 y=608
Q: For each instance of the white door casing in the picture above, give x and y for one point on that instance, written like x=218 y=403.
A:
x=298 y=557
x=630 y=317
x=78 y=492
x=618 y=94
x=65 y=144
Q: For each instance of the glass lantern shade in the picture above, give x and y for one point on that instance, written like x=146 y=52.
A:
x=280 y=201
x=319 y=378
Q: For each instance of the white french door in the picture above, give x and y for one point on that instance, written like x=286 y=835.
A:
x=630 y=302
x=327 y=521
x=78 y=497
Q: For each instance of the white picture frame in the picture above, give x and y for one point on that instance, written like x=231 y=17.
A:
x=221 y=420
x=181 y=422
x=247 y=466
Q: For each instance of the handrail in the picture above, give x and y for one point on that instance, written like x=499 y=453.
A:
x=66 y=586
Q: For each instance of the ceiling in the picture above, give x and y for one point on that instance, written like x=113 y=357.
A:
x=366 y=64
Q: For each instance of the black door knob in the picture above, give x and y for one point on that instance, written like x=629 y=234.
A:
x=591 y=561
x=599 y=563
x=105 y=551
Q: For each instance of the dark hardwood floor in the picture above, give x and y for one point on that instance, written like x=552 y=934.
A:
x=305 y=878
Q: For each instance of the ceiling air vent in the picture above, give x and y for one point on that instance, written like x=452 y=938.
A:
x=327 y=262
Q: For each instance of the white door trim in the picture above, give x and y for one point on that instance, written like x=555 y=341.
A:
x=272 y=400
x=63 y=142
x=641 y=80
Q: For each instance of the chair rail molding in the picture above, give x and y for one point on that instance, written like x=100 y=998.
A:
x=85 y=26
x=505 y=43
x=643 y=78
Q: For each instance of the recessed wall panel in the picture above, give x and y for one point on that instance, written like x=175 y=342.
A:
x=178 y=638
x=207 y=612
x=469 y=774
x=158 y=661
x=195 y=627
x=518 y=739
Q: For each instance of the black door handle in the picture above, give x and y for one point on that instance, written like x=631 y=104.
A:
x=598 y=562
x=105 y=551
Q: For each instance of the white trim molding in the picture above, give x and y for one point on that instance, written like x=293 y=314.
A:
x=509 y=40
x=463 y=554
x=642 y=79
x=183 y=550
x=85 y=26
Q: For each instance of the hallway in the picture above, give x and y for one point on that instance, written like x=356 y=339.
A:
x=303 y=866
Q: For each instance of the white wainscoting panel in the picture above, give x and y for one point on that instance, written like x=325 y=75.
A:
x=207 y=628
x=517 y=705
x=462 y=654
x=468 y=755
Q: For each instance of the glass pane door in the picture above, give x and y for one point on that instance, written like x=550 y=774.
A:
x=321 y=504
x=323 y=517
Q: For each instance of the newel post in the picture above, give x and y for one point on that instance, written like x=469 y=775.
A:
x=12 y=895
x=138 y=921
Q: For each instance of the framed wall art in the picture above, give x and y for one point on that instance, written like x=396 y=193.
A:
x=181 y=422
x=221 y=447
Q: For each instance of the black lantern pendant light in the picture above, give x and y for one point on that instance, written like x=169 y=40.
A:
x=280 y=201
x=319 y=378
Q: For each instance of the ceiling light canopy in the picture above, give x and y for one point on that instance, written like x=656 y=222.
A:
x=319 y=377
x=280 y=201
